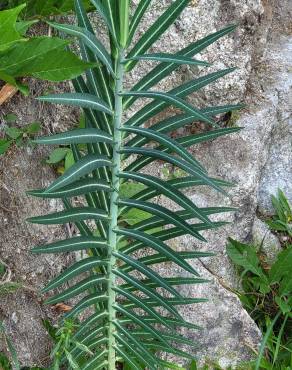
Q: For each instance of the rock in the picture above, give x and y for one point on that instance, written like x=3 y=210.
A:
x=265 y=240
x=277 y=172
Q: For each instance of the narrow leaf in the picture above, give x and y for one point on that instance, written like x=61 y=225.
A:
x=73 y=215
x=89 y=40
x=140 y=11
x=83 y=167
x=85 y=265
x=72 y=244
x=171 y=99
x=77 y=136
x=157 y=29
x=77 y=100
x=80 y=187
x=169 y=58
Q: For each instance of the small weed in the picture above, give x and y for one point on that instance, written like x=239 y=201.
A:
x=17 y=136
x=267 y=293
x=282 y=221
x=66 y=346
x=62 y=158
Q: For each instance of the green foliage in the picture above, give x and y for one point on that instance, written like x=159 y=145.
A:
x=17 y=136
x=282 y=221
x=8 y=32
x=9 y=287
x=41 y=57
x=267 y=295
x=44 y=9
x=123 y=295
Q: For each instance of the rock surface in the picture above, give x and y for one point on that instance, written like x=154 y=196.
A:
x=265 y=240
x=258 y=159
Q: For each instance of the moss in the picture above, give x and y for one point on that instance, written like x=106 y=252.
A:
x=235 y=116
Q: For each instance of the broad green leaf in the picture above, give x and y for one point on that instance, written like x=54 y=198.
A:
x=4 y=145
x=57 y=155
x=42 y=9
x=8 y=33
x=13 y=132
x=33 y=128
x=244 y=255
x=69 y=160
x=282 y=266
x=23 y=26
x=283 y=305
x=10 y=118
x=44 y=58
x=130 y=189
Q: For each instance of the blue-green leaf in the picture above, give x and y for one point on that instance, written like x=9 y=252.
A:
x=77 y=136
x=89 y=40
x=78 y=100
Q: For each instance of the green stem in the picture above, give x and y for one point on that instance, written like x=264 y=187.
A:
x=114 y=208
x=264 y=341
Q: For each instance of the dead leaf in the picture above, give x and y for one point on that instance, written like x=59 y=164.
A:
x=7 y=92
x=62 y=307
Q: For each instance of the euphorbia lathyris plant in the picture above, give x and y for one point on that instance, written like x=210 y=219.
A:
x=131 y=309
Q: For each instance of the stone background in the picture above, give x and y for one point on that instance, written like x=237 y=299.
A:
x=258 y=159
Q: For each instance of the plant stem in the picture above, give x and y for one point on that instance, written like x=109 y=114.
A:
x=117 y=138
x=265 y=339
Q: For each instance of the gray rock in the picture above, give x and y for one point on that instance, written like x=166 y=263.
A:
x=277 y=172
x=265 y=240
